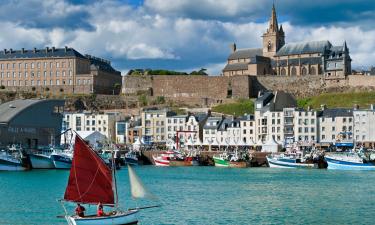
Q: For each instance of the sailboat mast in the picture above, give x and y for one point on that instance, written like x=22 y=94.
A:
x=114 y=178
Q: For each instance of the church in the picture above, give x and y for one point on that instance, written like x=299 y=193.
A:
x=293 y=59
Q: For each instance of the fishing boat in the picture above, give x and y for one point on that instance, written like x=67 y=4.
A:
x=61 y=160
x=288 y=161
x=165 y=158
x=348 y=161
x=131 y=158
x=40 y=159
x=221 y=160
x=12 y=160
x=92 y=182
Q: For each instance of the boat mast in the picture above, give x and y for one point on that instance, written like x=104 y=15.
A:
x=114 y=179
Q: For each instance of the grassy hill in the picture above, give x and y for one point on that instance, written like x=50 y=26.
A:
x=339 y=100
x=238 y=108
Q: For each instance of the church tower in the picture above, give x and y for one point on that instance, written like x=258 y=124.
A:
x=274 y=37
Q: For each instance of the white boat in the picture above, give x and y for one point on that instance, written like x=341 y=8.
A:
x=61 y=160
x=11 y=162
x=287 y=161
x=41 y=161
x=165 y=158
x=347 y=161
x=91 y=181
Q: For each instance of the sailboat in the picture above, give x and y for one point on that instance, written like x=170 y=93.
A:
x=91 y=181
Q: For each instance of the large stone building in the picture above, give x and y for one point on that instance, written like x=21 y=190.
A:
x=57 y=70
x=293 y=59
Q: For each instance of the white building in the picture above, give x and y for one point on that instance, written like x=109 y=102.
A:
x=300 y=125
x=364 y=129
x=210 y=129
x=336 y=127
x=121 y=131
x=102 y=122
x=247 y=126
x=154 y=124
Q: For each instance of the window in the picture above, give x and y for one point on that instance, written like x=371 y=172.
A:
x=2 y=74
x=333 y=128
x=57 y=73
x=323 y=137
x=38 y=65
x=70 y=81
x=70 y=73
x=25 y=65
x=45 y=73
x=63 y=73
x=26 y=75
x=45 y=65
x=8 y=74
x=51 y=82
x=38 y=74
x=14 y=74
x=32 y=65
x=333 y=137
x=57 y=64
x=19 y=75
x=51 y=65
x=57 y=82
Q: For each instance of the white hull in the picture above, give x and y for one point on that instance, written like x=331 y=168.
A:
x=11 y=168
x=160 y=162
x=274 y=163
x=338 y=164
x=62 y=165
x=41 y=161
x=120 y=218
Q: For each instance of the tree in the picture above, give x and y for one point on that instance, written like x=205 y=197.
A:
x=142 y=100
x=202 y=71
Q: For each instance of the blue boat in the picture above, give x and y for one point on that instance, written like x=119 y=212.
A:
x=348 y=161
x=131 y=158
x=287 y=161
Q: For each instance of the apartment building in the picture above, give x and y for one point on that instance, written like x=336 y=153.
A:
x=247 y=129
x=154 y=125
x=87 y=121
x=364 y=129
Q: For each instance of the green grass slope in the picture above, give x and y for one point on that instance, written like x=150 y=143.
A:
x=238 y=108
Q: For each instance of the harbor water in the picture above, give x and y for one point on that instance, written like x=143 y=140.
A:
x=207 y=195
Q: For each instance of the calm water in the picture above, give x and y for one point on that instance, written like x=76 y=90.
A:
x=208 y=195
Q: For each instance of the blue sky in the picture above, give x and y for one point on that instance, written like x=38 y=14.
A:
x=182 y=34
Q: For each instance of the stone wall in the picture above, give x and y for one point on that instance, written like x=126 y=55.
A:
x=135 y=84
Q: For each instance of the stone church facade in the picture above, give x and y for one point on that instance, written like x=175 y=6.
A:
x=292 y=59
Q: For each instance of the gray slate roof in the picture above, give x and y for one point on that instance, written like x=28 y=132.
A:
x=210 y=120
x=338 y=112
x=246 y=53
x=236 y=66
x=40 y=53
x=304 y=48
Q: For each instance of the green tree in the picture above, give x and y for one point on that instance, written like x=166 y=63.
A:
x=142 y=100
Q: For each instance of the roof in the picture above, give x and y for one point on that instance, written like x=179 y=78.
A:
x=247 y=117
x=10 y=110
x=101 y=64
x=246 y=53
x=225 y=123
x=338 y=112
x=304 y=48
x=40 y=53
x=236 y=66
x=212 y=119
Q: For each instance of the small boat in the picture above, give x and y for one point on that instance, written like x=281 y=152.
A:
x=234 y=160
x=288 y=161
x=348 y=161
x=12 y=160
x=131 y=158
x=91 y=181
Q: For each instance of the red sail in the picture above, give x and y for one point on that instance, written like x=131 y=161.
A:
x=90 y=179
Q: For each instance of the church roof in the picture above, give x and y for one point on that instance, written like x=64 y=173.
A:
x=236 y=66
x=246 y=53
x=304 y=48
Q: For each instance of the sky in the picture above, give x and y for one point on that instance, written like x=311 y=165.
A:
x=182 y=35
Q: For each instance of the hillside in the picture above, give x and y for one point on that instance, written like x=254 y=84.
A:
x=339 y=100
x=238 y=108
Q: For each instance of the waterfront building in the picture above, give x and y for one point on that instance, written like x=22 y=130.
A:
x=31 y=122
x=269 y=116
x=336 y=127
x=228 y=131
x=88 y=121
x=364 y=129
x=247 y=126
x=121 y=131
x=133 y=134
x=153 y=125
x=173 y=125
x=276 y=57
x=301 y=126
x=56 y=71
x=210 y=129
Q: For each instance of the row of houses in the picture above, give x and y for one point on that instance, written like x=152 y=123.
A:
x=276 y=116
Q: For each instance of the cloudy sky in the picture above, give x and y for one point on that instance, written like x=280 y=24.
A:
x=182 y=34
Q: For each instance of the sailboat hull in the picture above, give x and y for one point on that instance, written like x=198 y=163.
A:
x=10 y=165
x=119 y=218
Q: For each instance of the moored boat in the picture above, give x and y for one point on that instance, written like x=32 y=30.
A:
x=288 y=161
x=61 y=160
x=221 y=160
x=165 y=158
x=131 y=158
x=40 y=159
x=348 y=161
x=12 y=161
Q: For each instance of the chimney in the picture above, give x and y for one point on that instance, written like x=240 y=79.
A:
x=34 y=50
x=23 y=50
x=233 y=47
x=47 y=49
x=66 y=49
x=323 y=107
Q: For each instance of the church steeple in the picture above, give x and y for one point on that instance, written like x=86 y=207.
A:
x=274 y=38
x=274 y=27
